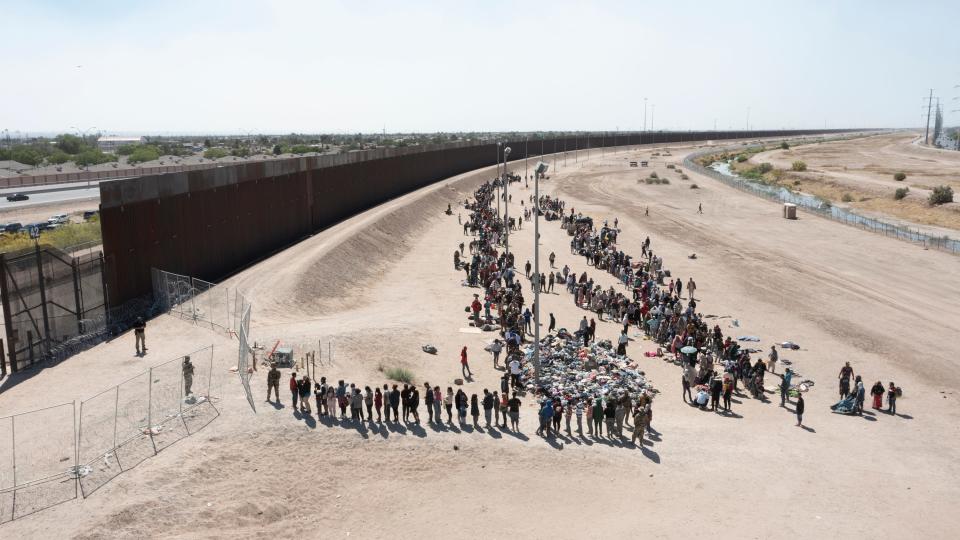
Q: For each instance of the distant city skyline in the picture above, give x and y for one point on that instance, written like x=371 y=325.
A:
x=230 y=68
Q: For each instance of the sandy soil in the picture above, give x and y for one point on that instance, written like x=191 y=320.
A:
x=382 y=284
x=864 y=168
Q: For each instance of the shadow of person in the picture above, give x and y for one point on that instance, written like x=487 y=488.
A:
x=276 y=405
x=650 y=454
x=904 y=416
x=310 y=421
x=808 y=429
x=417 y=429
x=494 y=433
x=517 y=435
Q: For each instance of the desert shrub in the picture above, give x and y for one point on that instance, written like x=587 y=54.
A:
x=799 y=166
x=846 y=197
x=694 y=186
x=654 y=175
x=784 y=146
x=664 y=180
x=741 y=158
x=796 y=182
x=398 y=374
x=764 y=168
x=900 y=177
x=900 y=193
x=671 y=166
x=941 y=195
x=684 y=177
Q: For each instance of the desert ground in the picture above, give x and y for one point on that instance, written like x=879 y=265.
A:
x=865 y=167
x=382 y=284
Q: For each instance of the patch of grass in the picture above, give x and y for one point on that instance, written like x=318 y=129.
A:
x=798 y=166
x=846 y=198
x=900 y=193
x=940 y=195
x=397 y=373
x=784 y=146
x=741 y=158
x=68 y=235
x=664 y=180
x=900 y=177
x=654 y=175
x=684 y=177
x=671 y=166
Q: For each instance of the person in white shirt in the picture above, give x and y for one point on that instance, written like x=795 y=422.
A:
x=515 y=372
x=622 y=343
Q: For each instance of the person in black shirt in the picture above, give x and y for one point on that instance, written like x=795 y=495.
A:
x=428 y=401
x=513 y=406
x=140 y=336
x=414 y=398
x=800 y=409
x=487 y=406
x=395 y=403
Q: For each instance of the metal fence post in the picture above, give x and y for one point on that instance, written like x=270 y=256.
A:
x=150 y=409
x=116 y=413
x=76 y=449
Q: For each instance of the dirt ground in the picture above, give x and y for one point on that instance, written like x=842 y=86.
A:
x=40 y=212
x=864 y=168
x=380 y=285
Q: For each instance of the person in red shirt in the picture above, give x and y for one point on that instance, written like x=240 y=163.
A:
x=294 y=389
x=464 y=366
x=476 y=306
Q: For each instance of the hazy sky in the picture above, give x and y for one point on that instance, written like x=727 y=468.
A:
x=357 y=65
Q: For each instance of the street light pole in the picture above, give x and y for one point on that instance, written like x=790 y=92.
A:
x=526 y=151
x=499 y=183
x=536 y=270
x=506 y=203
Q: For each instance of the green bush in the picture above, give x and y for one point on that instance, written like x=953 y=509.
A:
x=670 y=166
x=900 y=193
x=784 y=146
x=684 y=177
x=941 y=195
x=399 y=374
x=664 y=180
x=142 y=153
x=694 y=186
x=741 y=158
x=216 y=153
x=654 y=175
x=59 y=156
x=846 y=197
x=92 y=157
x=799 y=166
x=900 y=177
x=764 y=168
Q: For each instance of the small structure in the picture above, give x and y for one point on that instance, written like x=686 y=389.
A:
x=789 y=211
x=283 y=356
x=109 y=144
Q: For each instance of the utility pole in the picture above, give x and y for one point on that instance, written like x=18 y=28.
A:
x=926 y=134
x=536 y=270
x=506 y=204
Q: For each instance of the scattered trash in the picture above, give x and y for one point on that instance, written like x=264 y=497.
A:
x=790 y=345
x=429 y=349
x=736 y=323
x=570 y=370
x=458 y=382
x=748 y=338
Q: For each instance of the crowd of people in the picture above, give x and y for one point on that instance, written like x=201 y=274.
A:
x=650 y=299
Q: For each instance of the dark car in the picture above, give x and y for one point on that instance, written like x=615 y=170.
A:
x=12 y=227
x=89 y=214
x=17 y=197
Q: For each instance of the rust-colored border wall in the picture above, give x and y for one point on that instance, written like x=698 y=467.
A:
x=210 y=223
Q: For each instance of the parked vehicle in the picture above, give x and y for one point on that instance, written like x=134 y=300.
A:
x=12 y=227
x=18 y=197
x=59 y=218
x=89 y=214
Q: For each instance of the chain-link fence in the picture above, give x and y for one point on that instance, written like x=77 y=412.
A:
x=124 y=425
x=49 y=298
x=206 y=303
x=37 y=460
x=818 y=206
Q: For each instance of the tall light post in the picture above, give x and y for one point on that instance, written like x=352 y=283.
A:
x=536 y=270
x=506 y=204
x=499 y=182
x=526 y=150
x=644 y=114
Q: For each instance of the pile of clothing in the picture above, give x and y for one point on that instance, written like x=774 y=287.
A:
x=570 y=370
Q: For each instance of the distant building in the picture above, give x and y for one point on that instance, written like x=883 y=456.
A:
x=109 y=144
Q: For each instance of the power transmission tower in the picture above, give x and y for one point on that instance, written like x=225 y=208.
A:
x=926 y=134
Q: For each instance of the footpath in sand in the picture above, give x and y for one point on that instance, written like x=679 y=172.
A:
x=382 y=284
